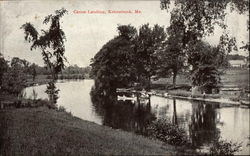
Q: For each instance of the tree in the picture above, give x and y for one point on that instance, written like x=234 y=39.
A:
x=198 y=20
x=14 y=79
x=112 y=66
x=3 y=68
x=201 y=16
x=206 y=62
x=172 y=54
x=33 y=71
x=51 y=43
x=147 y=43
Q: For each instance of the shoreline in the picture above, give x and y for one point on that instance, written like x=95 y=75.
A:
x=220 y=100
x=41 y=130
x=162 y=94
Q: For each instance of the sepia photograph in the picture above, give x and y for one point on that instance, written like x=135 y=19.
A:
x=124 y=77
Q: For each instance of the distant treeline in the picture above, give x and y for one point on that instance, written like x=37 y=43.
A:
x=236 y=57
x=17 y=74
x=70 y=70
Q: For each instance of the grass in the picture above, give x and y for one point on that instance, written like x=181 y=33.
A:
x=236 y=77
x=179 y=92
x=43 y=131
x=185 y=93
x=231 y=78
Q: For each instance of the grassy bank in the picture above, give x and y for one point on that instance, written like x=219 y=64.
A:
x=235 y=77
x=238 y=78
x=43 y=131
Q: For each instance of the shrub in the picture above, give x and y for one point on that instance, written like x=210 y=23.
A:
x=49 y=77
x=167 y=132
x=236 y=99
x=14 y=80
x=223 y=147
x=61 y=109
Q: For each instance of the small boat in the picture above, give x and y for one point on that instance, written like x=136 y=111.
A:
x=245 y=103
x=144 y=96
x=124 y=98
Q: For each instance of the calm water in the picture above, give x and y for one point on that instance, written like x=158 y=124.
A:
x=203 y=122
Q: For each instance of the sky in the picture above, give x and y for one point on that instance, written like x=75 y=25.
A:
x=87 y=33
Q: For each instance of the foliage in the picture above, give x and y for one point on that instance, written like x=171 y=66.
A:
x=205 y=61
x=14 y=79
x=201 y=16
x=172 y=56
x=196 y=19
x=33 y=71
x=112 y=66
x=52 y=92
x=3 y=68
x=128 y=58
x=51 y=42
x=147 y=43
x=61 y=109
x=76 y=70
x=223 y=147
x=167 y=132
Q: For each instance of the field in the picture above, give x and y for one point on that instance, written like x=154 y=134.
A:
x=236 y=77
x=232 y=77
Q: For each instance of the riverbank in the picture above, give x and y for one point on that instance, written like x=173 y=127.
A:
x=164 y=88
x=36 y=131
x=206 y=98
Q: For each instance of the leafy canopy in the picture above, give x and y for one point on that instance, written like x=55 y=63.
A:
x=50 y=41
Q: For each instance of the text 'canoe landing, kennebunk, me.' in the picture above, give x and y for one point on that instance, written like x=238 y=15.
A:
x=107 y=11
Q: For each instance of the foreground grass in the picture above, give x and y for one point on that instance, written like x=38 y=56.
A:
x=43 y=131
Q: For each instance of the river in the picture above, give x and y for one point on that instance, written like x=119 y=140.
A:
x=203 y=122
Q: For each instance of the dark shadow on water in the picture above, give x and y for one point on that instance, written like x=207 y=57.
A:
x=127 y=115
x=202 y=128
x=136 y=116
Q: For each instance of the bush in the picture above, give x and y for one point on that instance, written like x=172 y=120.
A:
x=49 y=77
x=61 y=109
x=14 y=81
x=236 y=99
x=167 y=132
x=223 y=147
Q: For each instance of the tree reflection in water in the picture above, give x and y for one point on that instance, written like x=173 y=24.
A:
x=174 y=118
x=126 y=115
x=202 y=129
x=201 y=123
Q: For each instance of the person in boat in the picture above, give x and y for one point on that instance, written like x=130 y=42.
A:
x=204 y=95
x=144 y=93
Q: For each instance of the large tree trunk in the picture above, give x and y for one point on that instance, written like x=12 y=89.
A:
x=174 y=79
x=149 y=83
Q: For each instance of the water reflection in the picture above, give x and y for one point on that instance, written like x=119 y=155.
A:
x=202 y=128
x=174 y=118
x=126 y=115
